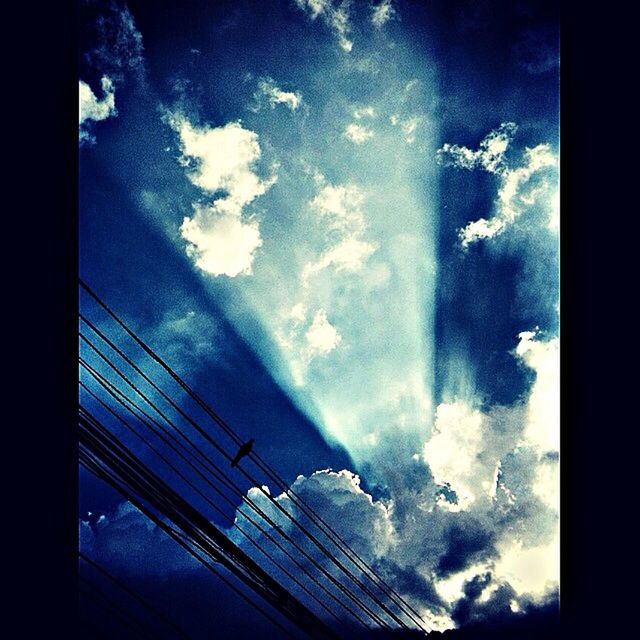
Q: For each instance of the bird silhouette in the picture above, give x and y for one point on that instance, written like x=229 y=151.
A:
x=244 y=450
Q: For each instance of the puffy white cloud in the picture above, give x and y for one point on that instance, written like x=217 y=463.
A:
x=533 y=182
x=466 y=447
x=93 y=109
x=335 y=15
x=322 y=337
x=358 y=133
x=222 y=160
x=274 y=95
x=382 y=13
x=532 y=570
x=220 y=244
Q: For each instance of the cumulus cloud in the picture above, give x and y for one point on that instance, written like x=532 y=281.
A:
x=221 y=244
x=335 y=15
x=221 y=161
x=275 y=96
x=533 y=182
x=382 y=13
x=92 y=109
x=358 y=133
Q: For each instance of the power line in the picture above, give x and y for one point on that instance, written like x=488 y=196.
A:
x=313 y=516
x=104 y=454
x=215 y=507
x=375 y=617
x=221 y=476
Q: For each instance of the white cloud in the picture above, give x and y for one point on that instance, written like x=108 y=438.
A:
x=382 y=13
x=467 y=445
x=489 y=155
x=534 y=571
x=91 y=108
x=322 y=337
x=291 y=99
x=335 y=15
x=543 y=423
x=358 y=133
x=534 y=182
x=222 y=159
x=221 y=244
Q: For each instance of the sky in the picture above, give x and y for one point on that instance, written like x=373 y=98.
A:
x=339 y=222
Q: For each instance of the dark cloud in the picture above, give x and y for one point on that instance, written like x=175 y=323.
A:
x=465 y=545
x=110 y=41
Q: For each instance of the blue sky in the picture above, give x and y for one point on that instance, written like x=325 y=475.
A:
x=339 y=222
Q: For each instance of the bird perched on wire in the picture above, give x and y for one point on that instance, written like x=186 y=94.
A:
x=244 y=450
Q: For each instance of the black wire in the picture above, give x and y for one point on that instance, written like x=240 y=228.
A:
x=104 y=463
x=220 y=475
x=208 y=500
x=255 y=482
x=310 y=512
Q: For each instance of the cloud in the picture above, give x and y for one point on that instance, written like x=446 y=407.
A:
x=221 y=161
x=340 y=205
x=94 y=110
x=489 y=155
x=340 y=208
x=275 y=96
x=382 y=13
x=334 y=15
x=534 y=182
x=348 y=255
x=543 y=421
x=221 y=244
x=129 y=542
x=496 y=550
x=358 y=133
x=321 y=337
x=495 y=553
